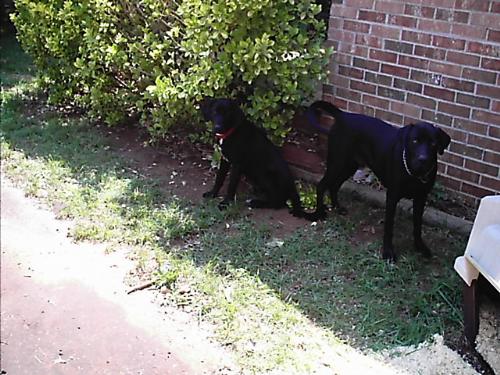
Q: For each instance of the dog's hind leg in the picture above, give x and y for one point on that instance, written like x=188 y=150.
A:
x=336 y=182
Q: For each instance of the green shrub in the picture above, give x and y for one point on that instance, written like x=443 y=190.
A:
x=122 y=58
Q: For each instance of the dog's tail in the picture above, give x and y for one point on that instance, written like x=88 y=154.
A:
x=314 y=109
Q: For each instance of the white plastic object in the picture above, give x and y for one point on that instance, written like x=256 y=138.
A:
x=482 y=254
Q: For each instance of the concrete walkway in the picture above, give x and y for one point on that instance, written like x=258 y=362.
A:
x=64 y=307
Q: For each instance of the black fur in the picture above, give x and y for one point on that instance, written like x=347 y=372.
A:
x=246 y=150
x=404 y=159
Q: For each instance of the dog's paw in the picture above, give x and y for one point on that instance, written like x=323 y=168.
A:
x=317 y=216
x=209 y=194
x=389 y=255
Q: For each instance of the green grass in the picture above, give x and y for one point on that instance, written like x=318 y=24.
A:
x=281 y=303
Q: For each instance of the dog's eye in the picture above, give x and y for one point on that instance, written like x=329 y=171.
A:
x=415 y=141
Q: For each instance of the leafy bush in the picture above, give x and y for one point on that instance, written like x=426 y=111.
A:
x=122 y=58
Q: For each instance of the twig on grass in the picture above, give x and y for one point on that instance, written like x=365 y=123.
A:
x=141 y=287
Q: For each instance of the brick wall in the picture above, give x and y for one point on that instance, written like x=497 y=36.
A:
x=432 y=60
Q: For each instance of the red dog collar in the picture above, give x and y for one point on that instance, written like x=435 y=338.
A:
x=223 y=136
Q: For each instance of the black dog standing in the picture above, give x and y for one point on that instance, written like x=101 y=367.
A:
x=404 y=159
x=246 y=150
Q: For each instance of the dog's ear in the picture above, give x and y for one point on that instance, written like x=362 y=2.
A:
x=206 y=106
x=443 y=140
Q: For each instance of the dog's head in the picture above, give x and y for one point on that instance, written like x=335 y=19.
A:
x=224 y=113
x=423 y=143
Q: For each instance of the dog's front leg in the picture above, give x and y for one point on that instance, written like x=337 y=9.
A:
x=234 y=179
x=219 y=180
x=418 y=211
x=391 y=202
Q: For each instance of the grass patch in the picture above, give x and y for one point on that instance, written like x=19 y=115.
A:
x=281 y=304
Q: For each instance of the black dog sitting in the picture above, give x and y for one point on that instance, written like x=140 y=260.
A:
x=246 y=150
x=404 y=159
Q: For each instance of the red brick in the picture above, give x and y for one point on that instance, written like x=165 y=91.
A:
x=432 y=78
x=488 y=20
x=375 y=101
x=492 y=158
x=348 y=94
x=356 y=26
x=402 y=21
x=341 y=36
x=421 y=101
x=491 y=64
x=439 y=93
x=339 y=81
x=376 y=54
x=453 y=109
x=490 y=183
x=389 y=116
x=405 y=109
x=473 y=100
x=371 y=16
x=494 y=35
x=408 y=85
x=369 y=40
x=360 y=108
x=462 y=174
x=447 y=69
x=483 y=49
x=468 y=31
x=462 y=58
x=454 y=159
x=494 y=131
x=476 y=190
x=391 y=93
x=364 y=4
x=350 y=72
x=440 y=3
x=449 y=182
x=495 y=7
x=445 y=42
x=481 y=167
x=465 y=150
x=420 y=11
x=344 y=11
x=363 y=87
x=386 y=31
x=491 y=118
x=470 y=126
x=417 y=37
x=435 y=26
x=458 y=84
x=379 y=79
x=390 y=7
x=342 y=58
x=479 y=75
x=366 y=64
x=460 y=136
x=495 y=106
x=461 y=17
x=479 y=5
x=437 y=117
x=400 y=47
x=430 y=52
x=395 y=70
x=491 y=91
x=414 y=62
x=483 y=142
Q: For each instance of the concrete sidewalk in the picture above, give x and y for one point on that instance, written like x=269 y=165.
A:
x=64 y=307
